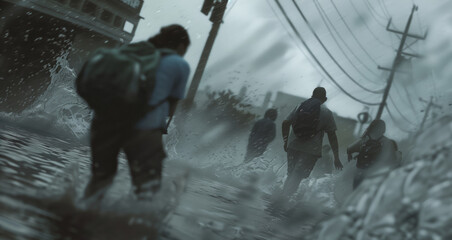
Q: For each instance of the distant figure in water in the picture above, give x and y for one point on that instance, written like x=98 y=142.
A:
x=140 y=138
x=263 y=133
x=375 y=152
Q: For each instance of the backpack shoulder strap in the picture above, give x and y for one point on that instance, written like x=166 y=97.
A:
x=143 y=52
x=166 y=51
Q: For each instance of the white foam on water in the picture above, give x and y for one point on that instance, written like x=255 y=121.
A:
x=58 y=110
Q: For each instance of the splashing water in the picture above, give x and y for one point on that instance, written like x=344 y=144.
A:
x=58 y=110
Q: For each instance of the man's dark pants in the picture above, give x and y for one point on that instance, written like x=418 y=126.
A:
x=299 y=167
x=143 y=149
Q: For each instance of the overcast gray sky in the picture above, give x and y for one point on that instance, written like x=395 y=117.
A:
x=256 y=48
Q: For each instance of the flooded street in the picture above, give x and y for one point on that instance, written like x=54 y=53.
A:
x=279 y=120
x=42 y=178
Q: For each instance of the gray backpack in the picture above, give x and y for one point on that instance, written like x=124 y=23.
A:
x=119 y=82
x=306 y=119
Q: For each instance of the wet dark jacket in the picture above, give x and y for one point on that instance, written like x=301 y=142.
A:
x=386 y=156
x=263 y=132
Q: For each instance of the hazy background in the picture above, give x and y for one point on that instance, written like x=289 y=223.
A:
x=256 y=48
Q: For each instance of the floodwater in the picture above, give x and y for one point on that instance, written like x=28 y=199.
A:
x=43 y=175
x=206 y=192
x=42 y=178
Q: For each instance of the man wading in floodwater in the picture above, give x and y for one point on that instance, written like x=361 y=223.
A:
x=133 y=89
x=308 y=122
x=376 y=152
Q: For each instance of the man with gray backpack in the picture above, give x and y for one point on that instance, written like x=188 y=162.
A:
x=133 y=89
x=303 y=132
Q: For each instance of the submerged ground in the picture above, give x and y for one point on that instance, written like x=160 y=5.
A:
x=42 y=177
x=207 y=193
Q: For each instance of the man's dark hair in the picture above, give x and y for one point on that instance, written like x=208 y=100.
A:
x=319 y=93
x=271 y=114
x=170 y=37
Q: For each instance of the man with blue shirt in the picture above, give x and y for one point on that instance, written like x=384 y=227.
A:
x=142 y=142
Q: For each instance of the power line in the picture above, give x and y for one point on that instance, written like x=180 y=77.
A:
x=397 y=60
x=374 y=13
x=383 y=7
x=407 y=46
x=397 y=124
x=315 y=66
x=317 y=60
x=364 y=21
x=408 y=98
x=400 y=112
x=325 y=18
x=353 y=35
x=383 y=4
x=384 y=17
x=411 y=44
x=331 y=56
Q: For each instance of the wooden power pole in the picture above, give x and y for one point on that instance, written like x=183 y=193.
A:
x=398 y=59
x=218 y=8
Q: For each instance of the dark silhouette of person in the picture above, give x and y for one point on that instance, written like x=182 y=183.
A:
x=302 y=154
x=142 y=141
x=375 y=152
x=263 y=133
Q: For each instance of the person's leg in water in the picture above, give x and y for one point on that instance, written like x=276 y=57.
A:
x=106 y=142
x=250 y=155
x=302 y=165
x=358 y=178
x=145 y=153
x=291 y=162
x=254 y=152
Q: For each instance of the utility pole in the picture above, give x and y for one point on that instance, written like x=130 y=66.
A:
x=430 y=104
x=398 y=59
x=218 y=8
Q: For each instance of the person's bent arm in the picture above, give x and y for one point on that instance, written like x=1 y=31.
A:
x=353 y=148
x=335 y=147
x=285 y=132
x=172 y=106
x=172 y=110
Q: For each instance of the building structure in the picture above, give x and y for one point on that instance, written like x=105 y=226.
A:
x=33 y=33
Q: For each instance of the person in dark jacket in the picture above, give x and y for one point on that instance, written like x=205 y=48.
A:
x=375 y=152
x=263 y=132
